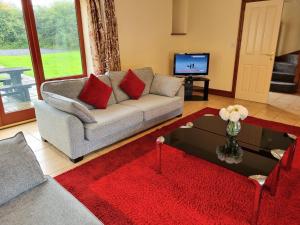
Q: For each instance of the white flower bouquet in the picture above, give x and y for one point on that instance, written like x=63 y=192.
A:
x=233 y=113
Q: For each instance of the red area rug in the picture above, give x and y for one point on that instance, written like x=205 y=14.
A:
x=122 y=187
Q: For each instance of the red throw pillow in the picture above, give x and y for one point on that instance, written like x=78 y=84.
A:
x=95 y=93
x=132 y=85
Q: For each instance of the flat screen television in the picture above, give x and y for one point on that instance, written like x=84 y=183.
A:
x=191 y=64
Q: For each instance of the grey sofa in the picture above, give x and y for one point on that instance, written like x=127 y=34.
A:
x=27 y=197
x=122 y=118
x=46 y=204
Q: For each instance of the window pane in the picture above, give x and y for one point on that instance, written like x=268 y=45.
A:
x=17 y=83
x=58 y=37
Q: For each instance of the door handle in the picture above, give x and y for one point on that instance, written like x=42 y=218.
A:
x=271 y=55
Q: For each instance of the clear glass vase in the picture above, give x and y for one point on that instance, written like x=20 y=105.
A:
x=233 y=128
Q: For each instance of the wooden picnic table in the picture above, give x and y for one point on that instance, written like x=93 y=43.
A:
x=13 y=86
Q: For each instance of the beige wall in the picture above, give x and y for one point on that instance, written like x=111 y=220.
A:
x=289 y=39
x=179 y=16
x=145 y=35
x=145 y=27
x=213 y=27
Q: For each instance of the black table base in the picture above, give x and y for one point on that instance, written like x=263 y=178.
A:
x=190 y=89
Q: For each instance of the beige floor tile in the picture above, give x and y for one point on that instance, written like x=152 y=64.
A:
x=35 y=143
x=286 y=102
x=268 y=114
x=48 y=153
x=287 y=118
x=57 y=163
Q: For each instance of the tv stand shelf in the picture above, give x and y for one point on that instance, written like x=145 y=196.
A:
x=189 y=88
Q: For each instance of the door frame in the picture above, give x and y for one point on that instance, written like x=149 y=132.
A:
x=239 y=43
x=36 y=58
x=297 y=75
x=27 y=114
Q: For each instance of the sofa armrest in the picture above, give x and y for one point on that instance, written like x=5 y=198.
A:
x=180 y=92
x=63 y=130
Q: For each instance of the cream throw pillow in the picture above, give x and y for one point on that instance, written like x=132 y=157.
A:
x=166 y=85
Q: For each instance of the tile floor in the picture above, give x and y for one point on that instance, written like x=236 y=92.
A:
x=286 y=102
x=53 y=162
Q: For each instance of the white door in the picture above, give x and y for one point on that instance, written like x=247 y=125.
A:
x=258 y=47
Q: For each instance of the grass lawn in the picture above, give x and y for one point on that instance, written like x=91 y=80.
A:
x=55 y=64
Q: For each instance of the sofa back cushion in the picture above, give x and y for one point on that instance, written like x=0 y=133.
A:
x=70 y=106
x=19 y=169
x=71 y=88
x=145 y=74
x=116 y=77
x=166 y=85
x=105 y=79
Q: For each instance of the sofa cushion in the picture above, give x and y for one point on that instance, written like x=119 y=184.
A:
x=132 y=85
x=166 y=85
x=154 y=106
x=145 y=74
x=105 y=79
x=46 y=204
x=70 y=106
x=19 y=169
x=116 y=77
x=71 y=88
x=112 y=120
x=95 y=92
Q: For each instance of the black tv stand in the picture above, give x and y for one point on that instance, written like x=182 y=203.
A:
x=189 y=88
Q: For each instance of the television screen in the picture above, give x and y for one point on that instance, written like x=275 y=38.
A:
x=191 y=64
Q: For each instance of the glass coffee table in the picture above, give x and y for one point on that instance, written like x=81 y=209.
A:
x=254 y=153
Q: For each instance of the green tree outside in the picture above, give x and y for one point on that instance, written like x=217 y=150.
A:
x=11 y=28
x=56 y=26
x=57 y=30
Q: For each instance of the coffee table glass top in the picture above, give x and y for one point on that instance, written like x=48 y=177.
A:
x=207 y=140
